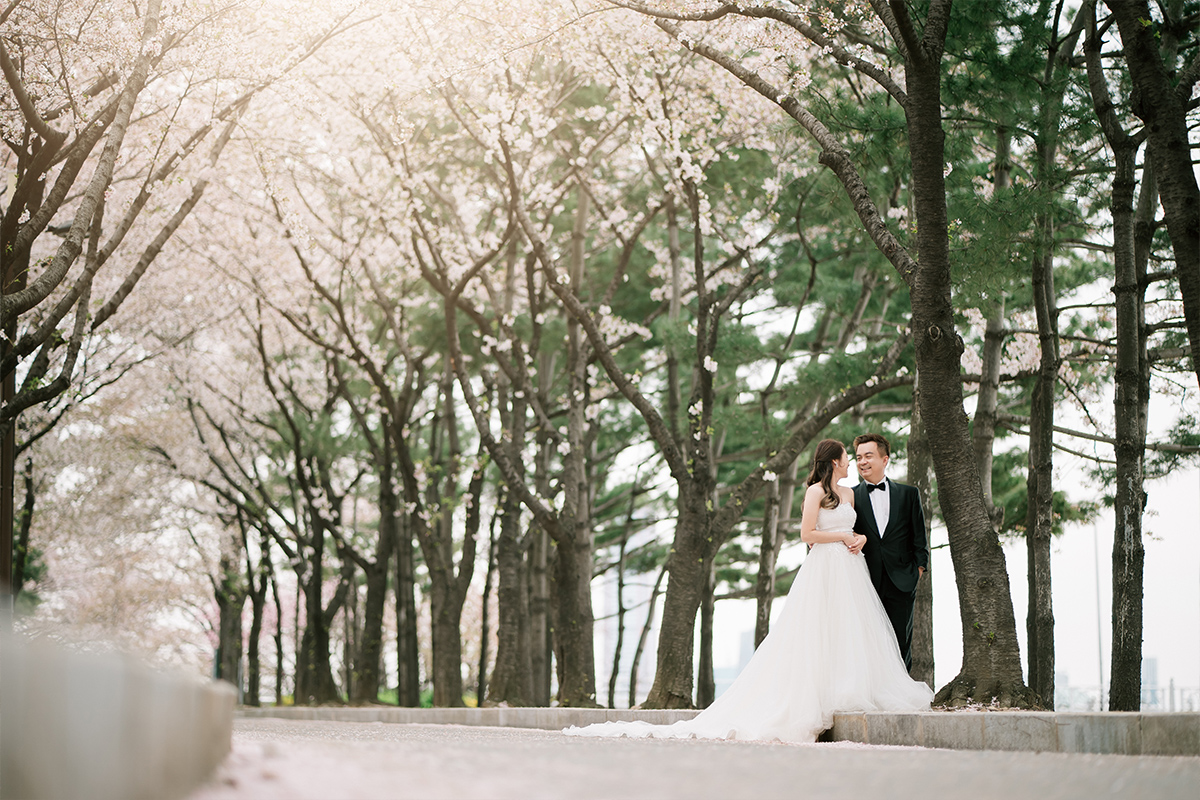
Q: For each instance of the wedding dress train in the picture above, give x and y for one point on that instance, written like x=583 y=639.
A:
x=831 y=649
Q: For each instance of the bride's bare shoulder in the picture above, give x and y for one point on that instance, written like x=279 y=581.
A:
x=847 y=495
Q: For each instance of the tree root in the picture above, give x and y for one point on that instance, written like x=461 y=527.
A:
x=964 y=692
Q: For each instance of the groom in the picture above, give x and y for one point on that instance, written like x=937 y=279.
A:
x=890 y=516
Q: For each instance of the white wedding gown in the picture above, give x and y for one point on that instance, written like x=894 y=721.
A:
x=832 y=649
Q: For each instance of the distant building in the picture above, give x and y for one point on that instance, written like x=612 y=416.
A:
x=1074 y=698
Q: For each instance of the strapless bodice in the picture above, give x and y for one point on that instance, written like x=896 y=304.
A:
x=836 y=519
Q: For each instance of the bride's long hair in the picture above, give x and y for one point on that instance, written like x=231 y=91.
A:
x=828 y=451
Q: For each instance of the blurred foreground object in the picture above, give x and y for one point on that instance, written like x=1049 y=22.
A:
x=104 y=725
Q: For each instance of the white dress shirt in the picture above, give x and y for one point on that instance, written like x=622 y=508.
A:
x=881 y=504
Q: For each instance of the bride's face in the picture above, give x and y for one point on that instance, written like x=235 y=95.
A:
x=841 y=467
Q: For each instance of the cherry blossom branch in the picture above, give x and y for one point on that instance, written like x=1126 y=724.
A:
x=793 y=21
x=21 y=301
x=53 y=137
x=833 y=155
x=513 y=476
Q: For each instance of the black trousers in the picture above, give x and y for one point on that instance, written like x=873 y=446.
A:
x=899 y=608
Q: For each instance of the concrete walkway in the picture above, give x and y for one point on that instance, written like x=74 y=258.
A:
x=1105 y=733
x=307 y=760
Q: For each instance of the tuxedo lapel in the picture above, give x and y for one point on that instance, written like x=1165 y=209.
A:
x=894 y=515
x=862 y=504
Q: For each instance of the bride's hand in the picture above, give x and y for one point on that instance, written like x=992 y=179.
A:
x=855 y=543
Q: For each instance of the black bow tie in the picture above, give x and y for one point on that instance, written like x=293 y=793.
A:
x=873 y=486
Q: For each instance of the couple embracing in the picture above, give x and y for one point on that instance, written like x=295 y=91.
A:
x=843 y=640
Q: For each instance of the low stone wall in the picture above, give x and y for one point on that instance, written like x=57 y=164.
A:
x=1115 y=732
x=550 y=719
x=1110 y=732
x=75 y=725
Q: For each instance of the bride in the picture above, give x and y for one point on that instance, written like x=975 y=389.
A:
x=832 y=649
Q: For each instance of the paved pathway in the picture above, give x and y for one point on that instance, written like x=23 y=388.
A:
x=364 y=761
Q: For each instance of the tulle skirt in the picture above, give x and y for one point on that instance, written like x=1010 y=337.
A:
x=832 y=649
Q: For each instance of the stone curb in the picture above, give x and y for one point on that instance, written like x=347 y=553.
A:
x=104 y=726
x=550 y=719
x=1115 y=732
x=1119 y=733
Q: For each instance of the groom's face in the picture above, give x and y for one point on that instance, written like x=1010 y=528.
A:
x=871 y=463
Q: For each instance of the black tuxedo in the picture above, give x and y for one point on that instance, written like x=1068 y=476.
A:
x=893 y=559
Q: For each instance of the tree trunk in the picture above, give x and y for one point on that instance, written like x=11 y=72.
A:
x=573 y=628
x=446 y=613
x=485 y=614
x=687 y=567
x=645 y=635
x=1131 y=382
x=920 y=465
x=231 y=599
x=573 y=565
x=1128 y=551
x=278 y=639
x=991 y=656
x=538 y=594
x=369 y=657
x=1164 y=108
x=258 y=604
x=1039 y=521
x=24 y=523
x=706 y=684
x=408 y=673
x=616 y=659
x=768 y=554
x=512 y=676
x=314 y=677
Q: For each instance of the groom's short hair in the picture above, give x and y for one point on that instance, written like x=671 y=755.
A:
x=873 y=437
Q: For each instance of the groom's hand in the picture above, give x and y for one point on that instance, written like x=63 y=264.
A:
x=855 y=545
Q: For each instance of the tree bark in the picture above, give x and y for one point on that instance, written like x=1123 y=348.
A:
x=231 y=600
x=314 y=676
x=920 y=467
x=645 y=635
x=368 y=660
x=991 y=656
x=512 y=677
x=573 y=564
x=687 y=569
x=1130 y=394
x=24 y=524
x=408 y=675
x=1039 y=524
x=768 y=555
x=485 y=614
x=1128 y=551
x=706 y=684
x=258 y=605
